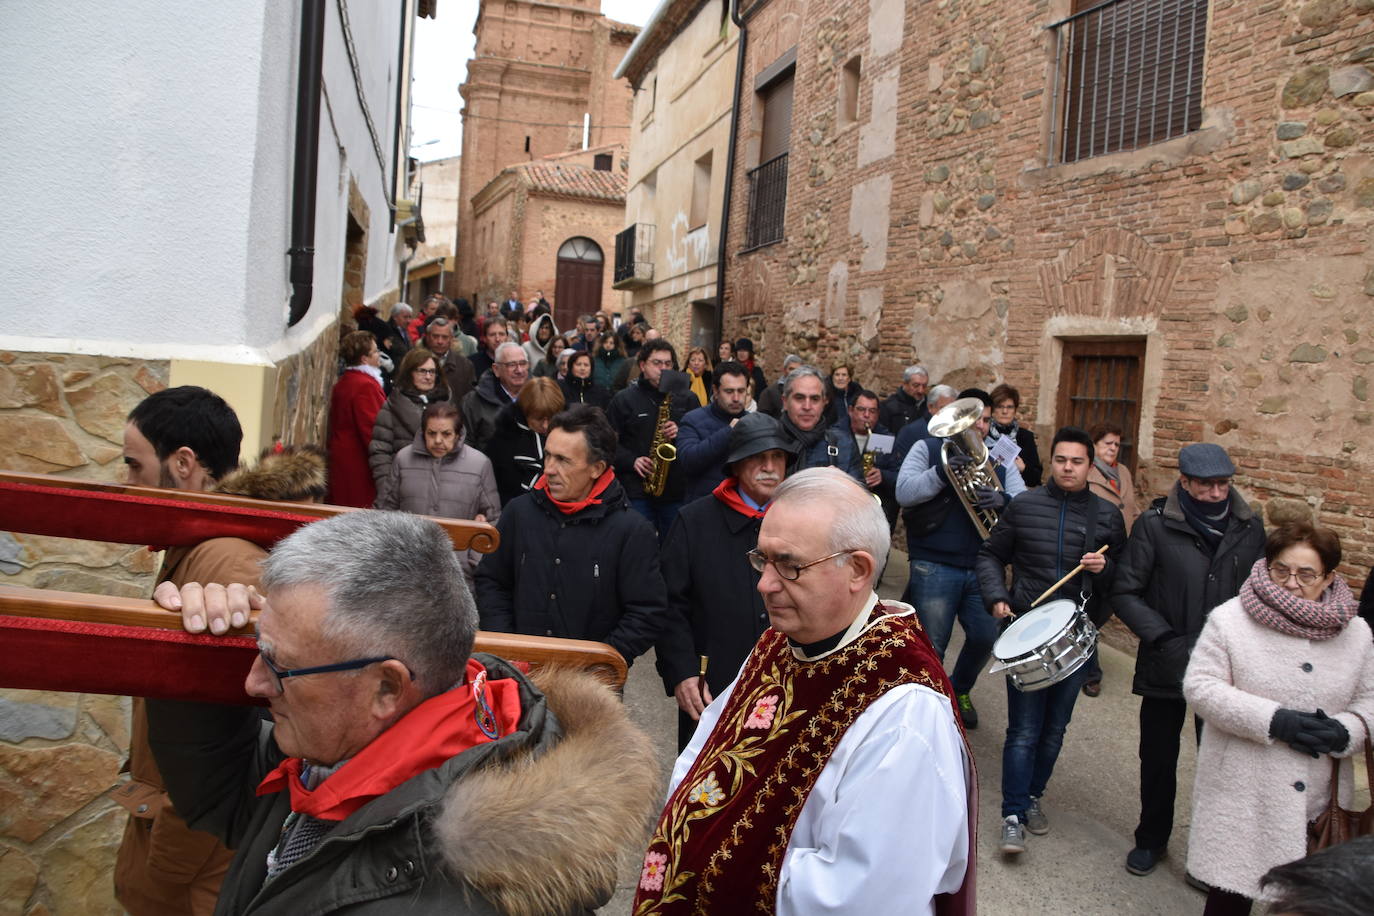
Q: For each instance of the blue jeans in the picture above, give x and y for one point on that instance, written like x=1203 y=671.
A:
x=1036 y=723
x=940 y=593
x=660 y=514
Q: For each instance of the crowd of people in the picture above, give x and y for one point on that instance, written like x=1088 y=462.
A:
x=738 y=528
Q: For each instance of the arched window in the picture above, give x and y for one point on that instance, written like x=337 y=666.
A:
x=580 y=249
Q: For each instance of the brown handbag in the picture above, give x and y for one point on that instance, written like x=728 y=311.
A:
x=1335 y=825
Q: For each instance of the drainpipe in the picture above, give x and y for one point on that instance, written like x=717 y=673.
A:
x=729 y=172
x=308 y=80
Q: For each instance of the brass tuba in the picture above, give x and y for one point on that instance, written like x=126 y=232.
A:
x=954 y=423
x=661 y=452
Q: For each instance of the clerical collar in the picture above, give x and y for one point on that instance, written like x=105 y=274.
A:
x=819 y=650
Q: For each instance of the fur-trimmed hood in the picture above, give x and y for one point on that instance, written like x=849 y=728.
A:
x=544 y=834
x=293 y=474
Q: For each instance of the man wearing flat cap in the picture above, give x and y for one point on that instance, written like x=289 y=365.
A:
x=1188 y=553
x=714 y=608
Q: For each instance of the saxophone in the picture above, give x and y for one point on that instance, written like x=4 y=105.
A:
x=954 y=423
x=661 y=452
x=869 y=457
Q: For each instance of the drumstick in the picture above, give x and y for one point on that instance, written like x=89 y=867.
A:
x=701 y=685
x=1073 y=572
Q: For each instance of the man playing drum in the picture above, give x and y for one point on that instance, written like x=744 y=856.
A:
x=1045 y=533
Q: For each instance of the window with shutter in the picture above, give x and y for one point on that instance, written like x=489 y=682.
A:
x=1132 y=74
x=768 y=182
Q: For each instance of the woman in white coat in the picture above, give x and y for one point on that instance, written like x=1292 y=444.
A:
x=1277 y=677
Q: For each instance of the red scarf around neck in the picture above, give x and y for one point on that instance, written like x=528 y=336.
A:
x=430 y=734
x=593 y=498
x=727 y=491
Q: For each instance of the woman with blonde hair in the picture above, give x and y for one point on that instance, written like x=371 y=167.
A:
x=1283 y=679
x=697 y=366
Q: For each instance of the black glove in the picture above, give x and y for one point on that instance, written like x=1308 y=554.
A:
x=1337 y=738
x=958 y=460
x=1308 y=733
x=990 y=499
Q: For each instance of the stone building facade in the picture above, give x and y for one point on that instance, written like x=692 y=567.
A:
x=539 y=85
x=682 y=67
x=931 y=216
x=531 y=219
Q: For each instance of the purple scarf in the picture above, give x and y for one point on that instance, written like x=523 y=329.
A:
x=1279 y=609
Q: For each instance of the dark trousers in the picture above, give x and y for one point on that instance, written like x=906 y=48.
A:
x=1161 y=724
x=660 y=513
x=1226 y=903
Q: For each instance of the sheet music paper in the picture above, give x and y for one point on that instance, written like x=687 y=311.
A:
x=1004 y=451
x=881 y=443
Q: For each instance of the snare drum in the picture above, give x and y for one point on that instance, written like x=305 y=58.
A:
x=1044 y=646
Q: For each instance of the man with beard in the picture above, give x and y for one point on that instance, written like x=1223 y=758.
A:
x=715 y=613
x=1188 y=553
x=458 y=371
x=803 y=421
x=574 y=559
x=634 y=414
x=704 y=439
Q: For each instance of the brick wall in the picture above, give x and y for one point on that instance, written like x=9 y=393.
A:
x=933 y=230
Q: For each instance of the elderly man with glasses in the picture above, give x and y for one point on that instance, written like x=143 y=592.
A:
x=499 y=386
x=1187 y=554
x=831 y=775
x=399 y=772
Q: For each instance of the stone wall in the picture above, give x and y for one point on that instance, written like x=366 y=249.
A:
x=936 y=228
x=60 y=753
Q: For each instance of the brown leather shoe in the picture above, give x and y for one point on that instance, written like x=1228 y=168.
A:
x=1092 y=688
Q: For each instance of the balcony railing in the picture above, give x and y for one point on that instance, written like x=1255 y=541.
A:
x=1128 y=74
x=634 y=251
x=767 y=202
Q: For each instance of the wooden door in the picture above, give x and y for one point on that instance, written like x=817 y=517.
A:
x=1100 y=381
x=577 y=289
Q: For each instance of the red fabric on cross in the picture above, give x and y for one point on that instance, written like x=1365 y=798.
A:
x=127 y=519
x=79 y=657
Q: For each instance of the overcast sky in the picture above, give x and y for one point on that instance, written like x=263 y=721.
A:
x=443 y=47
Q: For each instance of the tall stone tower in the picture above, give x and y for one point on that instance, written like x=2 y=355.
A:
x=539 y=73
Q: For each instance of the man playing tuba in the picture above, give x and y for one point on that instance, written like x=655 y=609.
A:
x=943 y=540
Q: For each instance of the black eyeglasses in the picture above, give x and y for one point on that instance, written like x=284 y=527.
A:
x=787 y=569
x=278 y=674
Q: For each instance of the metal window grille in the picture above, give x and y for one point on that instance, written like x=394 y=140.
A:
x=1130 y=74
x=767 y=201
x=634 y=253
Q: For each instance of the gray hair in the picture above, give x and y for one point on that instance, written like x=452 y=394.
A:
x=419 y=610
x=507 y=345
x=800 y=373
x=938 y=394
x=858 y=523
x=910 y=372
x=791 y=359
x=401 y=308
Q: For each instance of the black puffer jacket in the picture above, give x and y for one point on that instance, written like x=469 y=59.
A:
x=481 y=406
x=1168 y=583
x=516 y=453
x=1043 y=533
x=590 y=575
x=584 y=391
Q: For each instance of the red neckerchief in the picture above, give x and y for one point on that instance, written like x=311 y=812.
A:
x=727 y=491
x=430 y=734
x=591 y=499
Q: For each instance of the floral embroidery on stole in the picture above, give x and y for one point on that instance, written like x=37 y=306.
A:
x=721 y=838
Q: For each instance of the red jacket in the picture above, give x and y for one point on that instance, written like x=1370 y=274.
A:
x=353 y=407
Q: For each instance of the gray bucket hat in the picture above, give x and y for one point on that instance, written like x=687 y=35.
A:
x=756 y=433
x=1205 y=460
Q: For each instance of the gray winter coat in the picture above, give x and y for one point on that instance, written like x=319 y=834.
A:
x=394 y=429
x=459 y=485
x=533 y=822
x=1167 y=584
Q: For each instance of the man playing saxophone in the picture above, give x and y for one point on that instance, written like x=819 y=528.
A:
x=645 y=417
x=943 y=541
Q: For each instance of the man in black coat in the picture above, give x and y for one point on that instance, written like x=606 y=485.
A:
x=458 y=371
x=1188 y=553
x=714 y=608
x=1043 y=534
x=574 y=559
x=634 y=413
x=703 y=439
x=908 y=403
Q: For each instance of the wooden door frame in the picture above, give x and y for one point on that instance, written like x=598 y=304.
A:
x=1072 y=347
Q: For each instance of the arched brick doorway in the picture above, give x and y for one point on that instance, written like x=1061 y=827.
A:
x=578 y=287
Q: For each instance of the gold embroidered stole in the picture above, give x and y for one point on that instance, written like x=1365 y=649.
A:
x=720 y=841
